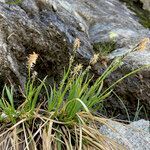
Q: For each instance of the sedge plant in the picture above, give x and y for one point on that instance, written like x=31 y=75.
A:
x=65 y=119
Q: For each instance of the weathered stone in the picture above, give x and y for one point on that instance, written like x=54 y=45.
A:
x=146 y=4
x=137 y=7
x=135 y=136
x=35 y=26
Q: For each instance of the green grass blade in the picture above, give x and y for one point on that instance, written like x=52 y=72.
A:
x=9 y=93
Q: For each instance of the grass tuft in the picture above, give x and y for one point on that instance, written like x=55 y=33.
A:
x=60 y=117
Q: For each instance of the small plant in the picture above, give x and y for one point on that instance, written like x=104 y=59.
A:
x=63 y=117
x=105 y=48
x=7 y=105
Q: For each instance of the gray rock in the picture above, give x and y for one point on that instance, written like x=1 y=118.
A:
x=146 y=4
x=35 y=26
x=49 y=27
x=135 y=136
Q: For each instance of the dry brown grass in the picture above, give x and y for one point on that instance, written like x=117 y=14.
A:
x=44 y=133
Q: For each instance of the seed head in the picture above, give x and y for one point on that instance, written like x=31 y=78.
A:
x=76 y=44
x=143 y=43
x=94 y=59
x=32 y=59
x=77 y=69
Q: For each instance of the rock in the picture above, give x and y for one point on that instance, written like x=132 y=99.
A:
x=137 y=7
x=134 y=91
x=50 y=28
x=35 y=26
x=146 y=4
x=135 y=136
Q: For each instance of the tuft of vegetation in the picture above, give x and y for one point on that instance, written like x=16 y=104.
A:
x=61 y=117
x=104 y=48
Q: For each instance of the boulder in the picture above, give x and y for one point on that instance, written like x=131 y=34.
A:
x=50 y=28
x=141 y=9
x=146 y=4
x=36 y=26
x=134 y=136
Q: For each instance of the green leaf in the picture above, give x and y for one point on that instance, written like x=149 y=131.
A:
x=14 y=2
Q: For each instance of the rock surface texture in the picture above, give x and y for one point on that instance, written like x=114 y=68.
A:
x=49 y=28
x=135 y=136
x=146 y=4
